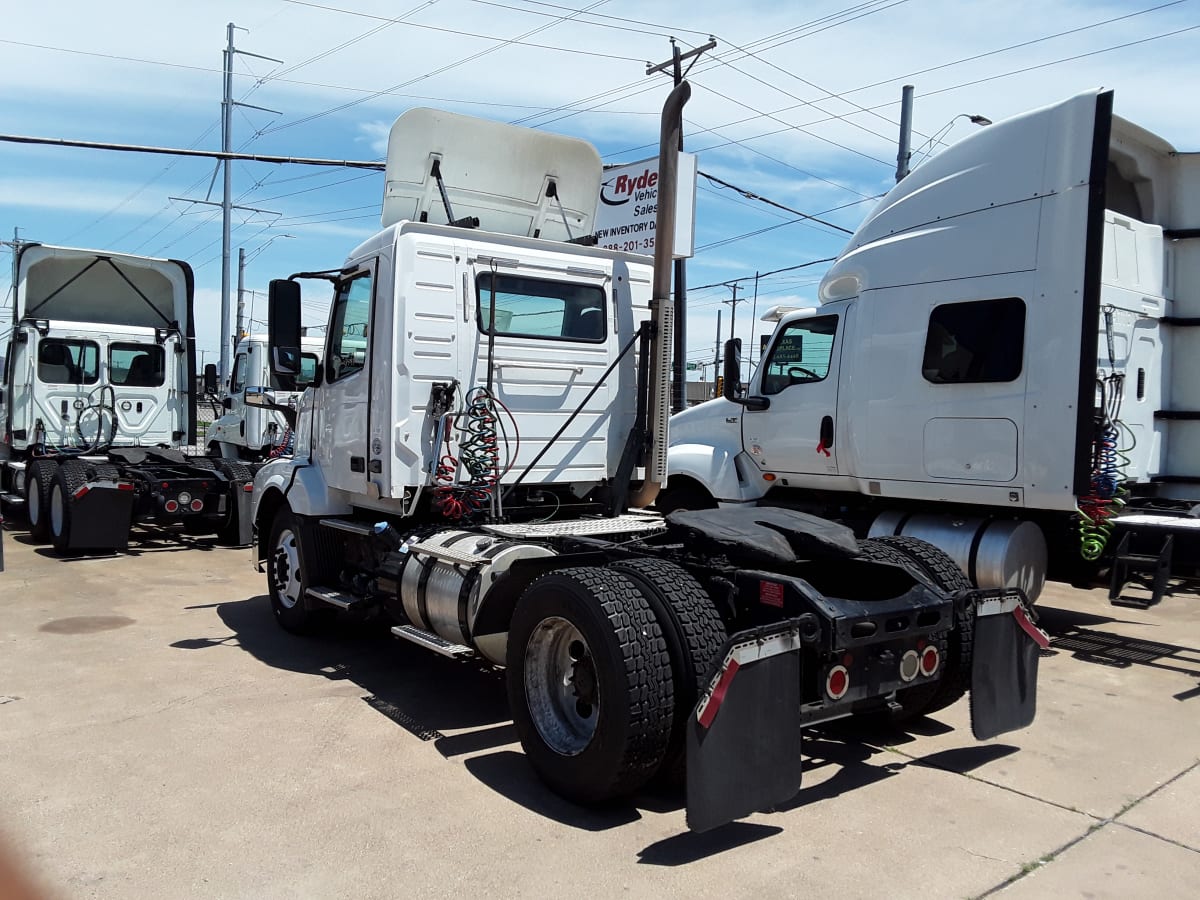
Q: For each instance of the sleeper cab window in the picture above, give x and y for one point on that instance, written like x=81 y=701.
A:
x=976 y=342
x=541 y=309
x=800 y=354
x=64 y=361
x=349 y=329
x=137 y=365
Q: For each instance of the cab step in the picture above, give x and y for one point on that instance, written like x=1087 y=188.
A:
x=340 y=599
x=433 y=642
x=13 y=499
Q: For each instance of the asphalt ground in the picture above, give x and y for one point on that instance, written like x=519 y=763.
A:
x=161 y=737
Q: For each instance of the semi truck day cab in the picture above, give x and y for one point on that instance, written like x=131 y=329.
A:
x=248 y=433
x=98 y=399
x=474 y=461
x=1004 y=363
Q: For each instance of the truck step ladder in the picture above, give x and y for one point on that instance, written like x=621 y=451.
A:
x=12 y=499
x=340 y=599
x=447 y=554
x=432 y=642
x=1125 y=562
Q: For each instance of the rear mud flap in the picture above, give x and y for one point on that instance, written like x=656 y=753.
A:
x=1004 y=667
x=100 y=519
x=241 y=503
x=743 y=738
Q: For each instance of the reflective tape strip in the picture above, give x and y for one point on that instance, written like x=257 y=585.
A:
x=1040 y=637
x=740 y=655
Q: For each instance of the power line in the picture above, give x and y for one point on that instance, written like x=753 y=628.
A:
x=750 y=195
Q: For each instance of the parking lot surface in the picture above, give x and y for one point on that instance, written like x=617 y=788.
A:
x=161 y=737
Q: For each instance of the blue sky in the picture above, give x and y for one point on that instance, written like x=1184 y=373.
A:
x=798 y=103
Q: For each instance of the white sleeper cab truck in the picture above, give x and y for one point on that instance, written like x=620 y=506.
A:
x=97 y=399
x=1005 y=363
x=251 y=433
x=473 y=463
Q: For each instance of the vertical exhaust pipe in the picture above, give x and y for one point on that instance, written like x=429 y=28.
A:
x=662 y=313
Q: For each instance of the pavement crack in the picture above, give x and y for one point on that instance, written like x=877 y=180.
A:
x=1041 y=861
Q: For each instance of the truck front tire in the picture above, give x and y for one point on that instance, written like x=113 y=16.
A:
x=291 y=570
x=589 y=683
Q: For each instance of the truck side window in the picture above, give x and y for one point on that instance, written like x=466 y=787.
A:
x=136 y=365
x=348 y=332
x=975 y=342
x=237 y=381
x=536 y=308
x=800 y=355
x=68 y=362
x=308 y=372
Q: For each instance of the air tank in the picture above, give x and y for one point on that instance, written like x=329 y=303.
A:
x=994 y=553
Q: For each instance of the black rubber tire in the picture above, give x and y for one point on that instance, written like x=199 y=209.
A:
x=228 y=531
x=39 y=477
x=203 y=462
x=688 y=495
x=70 y=477
x=632 y=669
x=298 y=618
x=694 y=632
x=942 y=572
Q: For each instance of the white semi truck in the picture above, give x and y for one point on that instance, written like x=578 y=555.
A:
x=98 y=400
x=473 y=462
x=1005 y=362
x=249 y=433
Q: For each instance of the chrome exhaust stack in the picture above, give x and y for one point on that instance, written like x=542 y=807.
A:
x=662 y=313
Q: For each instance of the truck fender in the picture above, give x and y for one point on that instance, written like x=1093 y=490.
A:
x=715 y=468
x=299 y=485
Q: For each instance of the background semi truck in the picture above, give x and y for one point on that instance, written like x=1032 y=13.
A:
x=1004 y=362
x=473 y=461
x=98 y=399
x=248 y=433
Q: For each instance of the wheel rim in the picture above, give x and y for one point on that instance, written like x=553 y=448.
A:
x=33 y=502
x=561 y=686
x=285 y=569
x=56 y=510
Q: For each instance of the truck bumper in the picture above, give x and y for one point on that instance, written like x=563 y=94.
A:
x=744 y=735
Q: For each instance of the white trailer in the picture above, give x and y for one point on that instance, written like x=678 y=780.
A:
x=98 y=399
x=1003 y=362
x=249 y=433
x=473 y=462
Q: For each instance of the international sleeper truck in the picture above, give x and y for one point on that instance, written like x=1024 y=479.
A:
x=474 y=460
x=1005 y=362
x=98 y=399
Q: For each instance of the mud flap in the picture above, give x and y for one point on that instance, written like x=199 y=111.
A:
x=100 y=519
x=1004 y=666
x=743 y=738
x=240 y=500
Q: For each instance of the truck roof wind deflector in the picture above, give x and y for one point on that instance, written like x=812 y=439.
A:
x=501 y=174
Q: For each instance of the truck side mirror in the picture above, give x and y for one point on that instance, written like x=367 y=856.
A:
x=210 y=378
x=732 y=377
x=283 y=327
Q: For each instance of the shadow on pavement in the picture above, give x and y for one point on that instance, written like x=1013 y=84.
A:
x=690 y=847
x=1070 y=632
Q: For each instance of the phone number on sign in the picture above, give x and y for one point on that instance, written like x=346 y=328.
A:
x=630 y=246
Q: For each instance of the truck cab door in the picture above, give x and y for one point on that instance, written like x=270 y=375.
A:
x=795 y=434
x=235 y=414
x=343 y=402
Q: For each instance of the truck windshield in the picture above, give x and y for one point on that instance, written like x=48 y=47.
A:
x=800 y=354
x=136 y=365
x=63 y=361
x=534 y=308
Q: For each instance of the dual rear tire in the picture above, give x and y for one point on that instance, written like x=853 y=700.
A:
x=602 y=674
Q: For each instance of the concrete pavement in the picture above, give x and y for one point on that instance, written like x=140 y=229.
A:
x=161 y=737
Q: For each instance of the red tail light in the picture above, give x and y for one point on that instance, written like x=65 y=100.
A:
x=197 y=505
x=930 y=660
x=837 y=682
x=171 y=506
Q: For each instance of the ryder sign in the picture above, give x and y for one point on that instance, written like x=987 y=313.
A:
x=629 y=203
